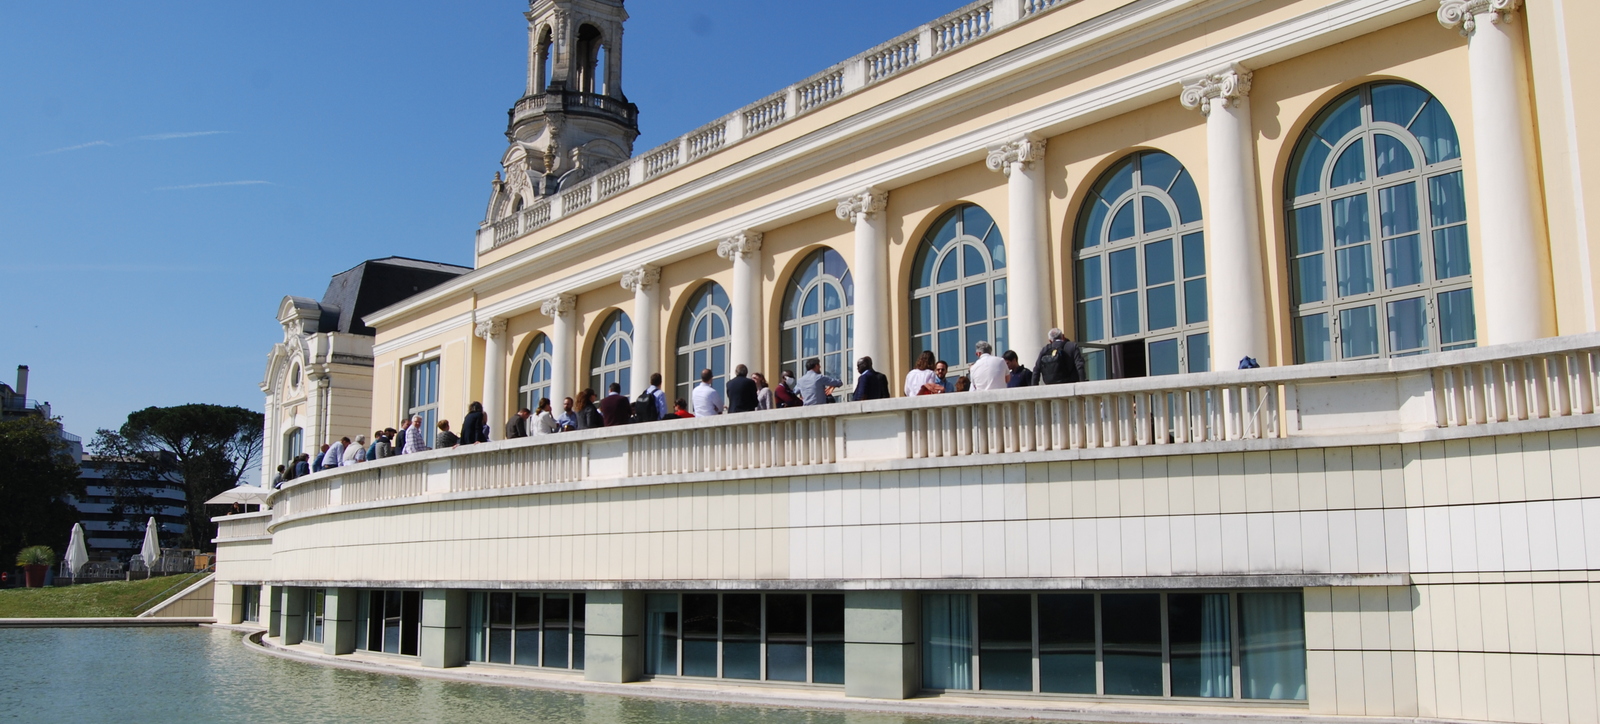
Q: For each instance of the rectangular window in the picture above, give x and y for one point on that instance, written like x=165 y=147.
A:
x=250 y=602
x=947 y=641
x=1005 y=642
x=1067 y=643
x=389 y=621
x=422 y=394
x=700 y=629
x=1131 y=643
x=316 y=609
x=661 y=634
x=827 y=638
x=794 y=637
x=1272 y=645
x=527 y=628
x=1202 y=657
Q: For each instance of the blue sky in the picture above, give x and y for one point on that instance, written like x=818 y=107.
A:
x=169 y=171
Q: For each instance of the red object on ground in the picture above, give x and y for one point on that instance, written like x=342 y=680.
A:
x=34 y=575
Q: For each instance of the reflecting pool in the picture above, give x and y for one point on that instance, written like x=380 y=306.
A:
x=83 y=676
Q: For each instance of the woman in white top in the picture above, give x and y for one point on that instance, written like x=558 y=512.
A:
x=545 y=423
x=763 y=391
x=921 y=380
x=356 y=453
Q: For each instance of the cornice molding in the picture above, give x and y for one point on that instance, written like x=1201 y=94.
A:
x=742 y=244
x=1227 y=86
x=1024 y=151
x=558 y=305
x=861 y=205
x=641 y=278
x=1463 y=14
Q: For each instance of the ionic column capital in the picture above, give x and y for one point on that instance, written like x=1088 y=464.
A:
x=741 y=244
x=862 y=205
x=559 y=305
x=1024 y=151
x=1463 y=14
x=1228 y=85
x=490 y=328
x=642 y=278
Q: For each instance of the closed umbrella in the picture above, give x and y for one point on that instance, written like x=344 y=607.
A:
x=77 y=552
x=152 y=547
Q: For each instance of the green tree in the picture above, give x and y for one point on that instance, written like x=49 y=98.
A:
x=37 y=474
x=206 y=448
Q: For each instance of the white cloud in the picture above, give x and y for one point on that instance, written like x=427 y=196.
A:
x=78 y=147
x=171 y=136
x=213 y=185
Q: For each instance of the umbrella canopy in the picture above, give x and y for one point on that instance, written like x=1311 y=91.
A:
x=77 y=551
x=245 y=494
x=151 y=552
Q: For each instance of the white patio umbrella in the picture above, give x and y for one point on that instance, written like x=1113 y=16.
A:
x=151 y=552
x=246 y=494
x=77 y=551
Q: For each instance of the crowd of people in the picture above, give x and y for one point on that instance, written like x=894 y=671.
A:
x=1059 y=362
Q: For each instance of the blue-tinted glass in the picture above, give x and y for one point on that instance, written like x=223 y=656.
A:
x=1311 y=338
x=1124 y=270
x=1402 y=261
x=1354 y=269
x=1396 y=103
x=1156 y=217
x=697 y=362
x=949 y=270
x=999 y=286
x=1392 y=155
x=950 y=345
x=1457 y=321
x=1092 y=321
x=719 y=364
x=1194 y=255
x=922 y=315
x=1447 y=199
x=832 y=335
x=1122 y=226
x=1358 y=332
x=848 y=282
x=809 y=270
x=1342 y=117
x=1124 y=314
x=1094 y=364
x=1200 y=644
x=1200 y=352
x=612 y=352
x=1307 y=172
x=975 y=221
x=945 y=231
x=1194 y=301
x=1158 y=262
x=718 y=297
x=718 y=328
x=787 y=341
x=972 y=263
x=1158 y=169
x=624 y=350
x=1163 y=357
x=1309 y=282
x=786 y=636
x=925 y=261
x=1093 y=223
x=1437 y=133
x=949 y=309
x=977 y=298
x=1066 y=643
x=702 y=330
x=1350 y=222
x=976 y=332
x=830 y=298
x=1397 y=209
x=1408 y=325
x=808 y=341
x=1131 y=643
x=1451 y=258
x=833 y=265
x=1002 y=338
x=1005 y=642
x=1163 y=307
x=921 y=342
x=1090 y=284
x=1186 y=198
x=1117 y=181
x=996 y=247
x=1351 y=166
x=809 y=306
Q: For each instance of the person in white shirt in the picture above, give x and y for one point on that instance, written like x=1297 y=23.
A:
x=987 y=372
x=922 y=380
x=356 y=453
x=543 y=422
x=707 y=400
x=334 y=457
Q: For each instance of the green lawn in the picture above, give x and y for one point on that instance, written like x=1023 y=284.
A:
x=115 y=598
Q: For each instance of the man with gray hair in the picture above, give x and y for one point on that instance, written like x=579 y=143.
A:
x=415 y=442
x=987 y=371
x=1060 y=361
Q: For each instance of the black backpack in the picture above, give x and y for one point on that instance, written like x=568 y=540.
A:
x=644 y=408
x=1056 y=366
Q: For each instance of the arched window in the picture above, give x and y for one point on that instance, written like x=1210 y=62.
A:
x=818 y=318
x=613 y=354
x=586 y=57
x=542 y=65
x=293 y=444
x=536 y=373
x=1141 y=266
x=1377 y=229
x=958 y=295
x=703 y=339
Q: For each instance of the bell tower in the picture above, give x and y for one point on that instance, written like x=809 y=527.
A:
x=573 y=120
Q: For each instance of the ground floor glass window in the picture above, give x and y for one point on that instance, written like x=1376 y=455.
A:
x=795 y=637
x=250 y=602
x=528 y=628
x=316 y=609
x=389 y=621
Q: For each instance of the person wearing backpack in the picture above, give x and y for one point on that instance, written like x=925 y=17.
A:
x=644 y=407
x=1060 y=361
x=661 y=397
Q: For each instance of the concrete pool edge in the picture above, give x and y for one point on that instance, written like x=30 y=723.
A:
x=104 y=622
x=827 y=700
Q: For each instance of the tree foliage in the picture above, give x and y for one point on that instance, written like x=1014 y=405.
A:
x=37 y=474
x=205 y=448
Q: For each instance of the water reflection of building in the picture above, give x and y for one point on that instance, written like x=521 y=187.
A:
x=1392 y=519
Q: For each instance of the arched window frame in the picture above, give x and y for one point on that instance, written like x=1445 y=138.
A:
x=1399 y=281
x=1167 y=266
x=587 y=58
x=822 y=271
x=612 y=355
x=951 y=312
x=538 y=365
x=543 y=68
x=703 y=339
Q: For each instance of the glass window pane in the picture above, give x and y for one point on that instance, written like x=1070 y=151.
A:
x=972 y=263
x=1402 y=262
x=827 y=638
x=1201 y=645
x=949 y=309
x=1311 y=339
x=1124 y=314
x=1158 y=169
x=1093 y=225
x=977 y=332
x=1163 y=307
x=1447 y=202
x=832 y=335
x=977 y=302
x=1162 y=357
x=1122 y=226
x=1457 y=321
x=1131 y=642
x=1311 y=157
x=1066 y=643
x=999 y=287
x=831 y=299
x=1124 y=270
x=950 y=346
x=1451 y=257
x=1117 y=181
x=661 y=634
x=922 y=315
x=1091 y=321
x=1309 y=282
x=1355 y=269
x=557 y=609
x=946 y=641
x=1437 y=133
x=1351 y=166
x=699 y=634
x=810 y=306
x=1194 y=301
x=949 y=269
x=1272 y=646
x=1200 y=352
x=1341 y=117
x=1090 y=285
x=1396 y=103
x=1187 y=198
x=1350 y=222
x=1158 y=268
x=1392 y=155
x=1156 y=217
x=809 y=344
x=580 y=615
x=786 y=636
x=1358 y=332
x=1408 y=325
x=1305 y=230
x=527 y=638
x=741 y=635
x=1397 y=209
x=1194 y=255
x=1005 y=642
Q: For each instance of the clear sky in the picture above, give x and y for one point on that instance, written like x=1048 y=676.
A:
x=169 y=171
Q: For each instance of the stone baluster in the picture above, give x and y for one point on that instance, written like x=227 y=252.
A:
x=645 y=283
x=559 y=309
x=744 y=250
x=1027 y=242
x=1233 y=229
x=871 y=275
x=493 y=332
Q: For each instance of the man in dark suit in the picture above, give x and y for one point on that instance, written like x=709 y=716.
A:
x=473 y=424
x=870 y=383
x=518 y=426
x=741 y=391
x=615 y=409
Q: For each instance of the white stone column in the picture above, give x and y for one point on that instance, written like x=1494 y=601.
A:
x=1027 y=243
x=559 y=309
x=493 y=332
x=871 y=272
x=645 y=284
x=744 y=250
x=1233 y=230
x=1516 y=270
